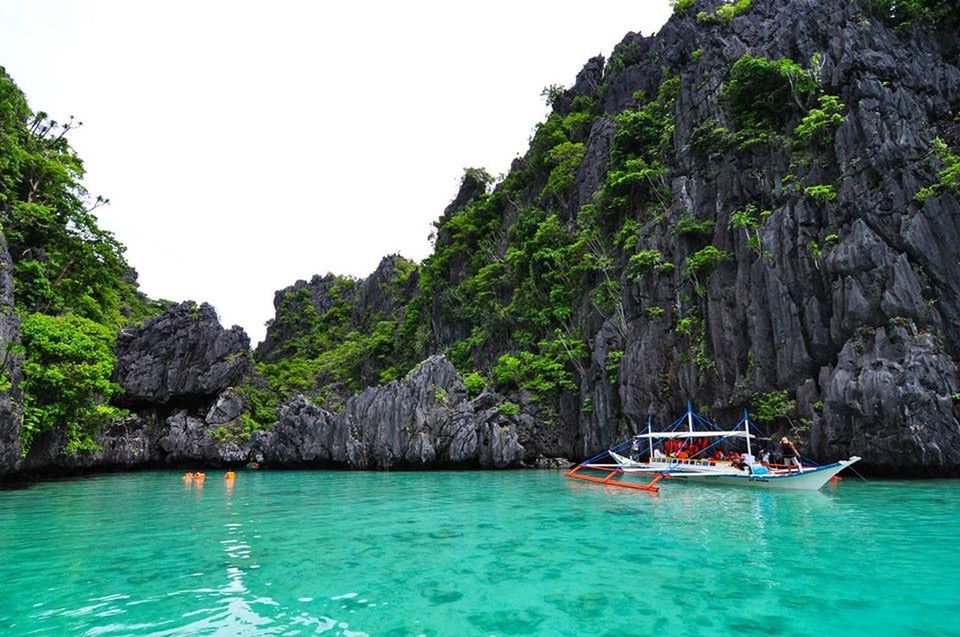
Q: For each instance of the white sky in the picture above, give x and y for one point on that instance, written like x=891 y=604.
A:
x=245 y=145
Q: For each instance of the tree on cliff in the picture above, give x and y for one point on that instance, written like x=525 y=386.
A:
x=941 y=13
x=72 y=286
x=64 y=261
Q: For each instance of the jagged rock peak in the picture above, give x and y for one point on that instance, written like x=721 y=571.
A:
x=474 y=182
x=386 y=290
x=381 y=293
x=588 y=83
x=184 y=354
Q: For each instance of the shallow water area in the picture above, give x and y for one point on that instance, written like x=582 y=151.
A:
x=473 y=553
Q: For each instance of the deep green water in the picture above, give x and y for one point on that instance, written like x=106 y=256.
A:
x=474 y=553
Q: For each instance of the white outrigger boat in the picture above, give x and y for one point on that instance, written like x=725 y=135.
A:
x=699 y=466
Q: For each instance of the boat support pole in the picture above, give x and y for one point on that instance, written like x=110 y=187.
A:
x=650 y=431
x=746 y=428
x=850 y=466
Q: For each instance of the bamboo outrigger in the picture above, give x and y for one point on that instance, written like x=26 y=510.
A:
x=615 y=470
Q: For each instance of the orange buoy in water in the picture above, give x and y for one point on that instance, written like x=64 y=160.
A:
x=199 y=476
x=229 y=475
x=187 y=477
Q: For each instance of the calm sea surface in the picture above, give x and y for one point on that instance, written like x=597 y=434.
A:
x=474 y=553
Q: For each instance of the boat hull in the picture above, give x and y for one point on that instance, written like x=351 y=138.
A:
x=809 y=480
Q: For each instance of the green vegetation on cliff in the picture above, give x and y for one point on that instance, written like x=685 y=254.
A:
x=64 y=262
x=948 y=179
x=67 y=368
x=510 y=284
x=902 y=13
x=763 y=94
x=525 y=272
x=328 y=350
x=72 y=286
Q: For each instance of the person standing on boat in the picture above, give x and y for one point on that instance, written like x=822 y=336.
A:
x=791 y=457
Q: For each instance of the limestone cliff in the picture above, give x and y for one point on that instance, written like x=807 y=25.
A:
x=175 y=373
x=759 y=261
x=183 y=354
x=851 y=303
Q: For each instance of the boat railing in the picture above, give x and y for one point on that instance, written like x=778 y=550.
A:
x=713 y=463
x=690 y=461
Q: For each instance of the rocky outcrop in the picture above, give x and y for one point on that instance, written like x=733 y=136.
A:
x=593 y=168
x=385 y=292
x=182 y=355
x=379 y=296
x=791 y=300
x=11 y=410
x=292 y=305
x=425 y=420
x=302 y=436
x=226 y=409
x=188 y=438
x=891 y=399
x=127 y=444
x=176 y=373
x=151 y=438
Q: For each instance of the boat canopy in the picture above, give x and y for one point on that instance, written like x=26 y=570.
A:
x=736 y=433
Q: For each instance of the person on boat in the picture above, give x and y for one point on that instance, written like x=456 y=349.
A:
x=736 y=460
x=719 y=455
x=791 y=457
x=635 y=448
x=749 y=458
x=765 y=457
x=657 y=454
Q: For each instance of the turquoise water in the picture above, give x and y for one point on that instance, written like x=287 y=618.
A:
x=474 y=553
